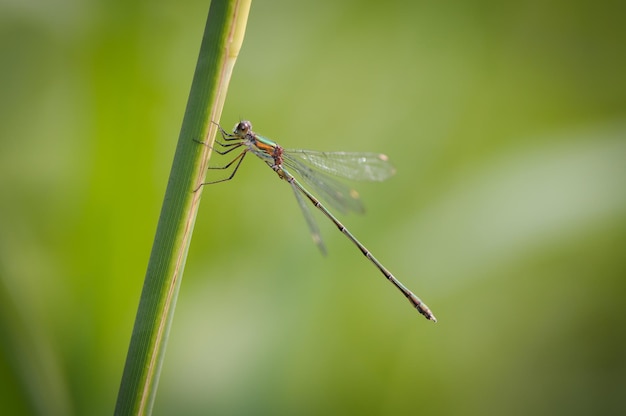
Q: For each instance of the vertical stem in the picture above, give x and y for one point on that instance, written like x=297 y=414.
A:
x=221 y=43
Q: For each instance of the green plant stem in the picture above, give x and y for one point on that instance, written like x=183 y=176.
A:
x=221 y=42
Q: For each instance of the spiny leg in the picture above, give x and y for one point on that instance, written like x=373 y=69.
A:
x=231 y=146
x=237 y=159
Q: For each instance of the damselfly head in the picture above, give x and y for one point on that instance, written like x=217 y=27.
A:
x=242 y=128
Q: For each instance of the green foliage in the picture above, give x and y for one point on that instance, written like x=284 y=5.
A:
x=507 y=215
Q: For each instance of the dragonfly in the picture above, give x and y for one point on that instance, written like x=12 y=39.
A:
x=316 y=169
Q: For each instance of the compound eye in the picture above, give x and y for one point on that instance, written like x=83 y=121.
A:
x=243 y=127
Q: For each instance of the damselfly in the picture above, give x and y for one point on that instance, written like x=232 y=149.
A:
x=314 y=169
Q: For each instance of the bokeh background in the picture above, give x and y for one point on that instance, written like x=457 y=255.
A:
x=506 y=122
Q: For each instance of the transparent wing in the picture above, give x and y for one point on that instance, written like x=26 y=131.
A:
x=338 y=195
x=351 y=165
x=315 y=231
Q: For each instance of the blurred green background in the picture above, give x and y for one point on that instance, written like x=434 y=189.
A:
x=506 y=123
